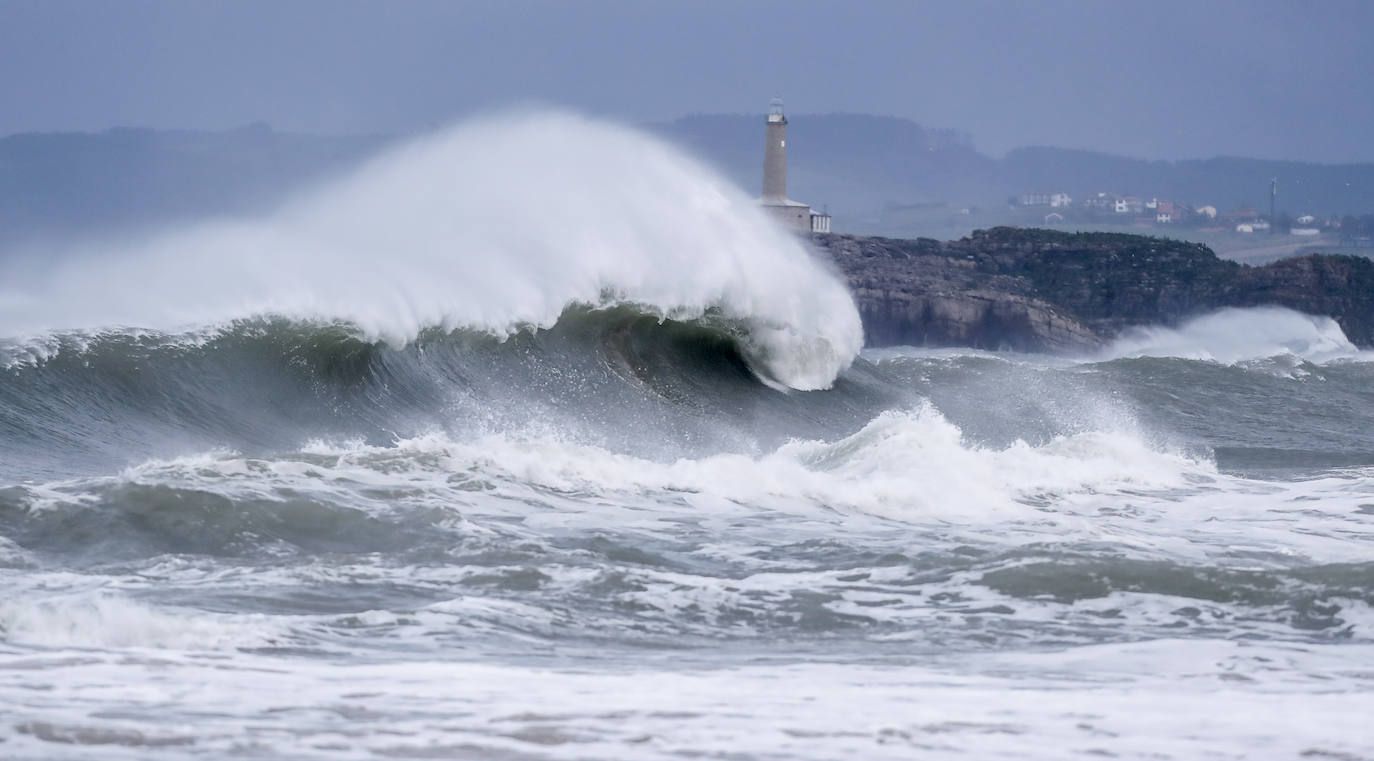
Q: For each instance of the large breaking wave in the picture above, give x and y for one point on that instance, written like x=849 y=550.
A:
x=492 y=226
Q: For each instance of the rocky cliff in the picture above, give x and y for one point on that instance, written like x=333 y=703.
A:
x=1043 y=290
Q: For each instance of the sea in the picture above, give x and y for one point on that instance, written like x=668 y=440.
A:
x=533 y=439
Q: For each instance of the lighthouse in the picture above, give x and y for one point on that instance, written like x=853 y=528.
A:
x=775 y=154
x=791 y=214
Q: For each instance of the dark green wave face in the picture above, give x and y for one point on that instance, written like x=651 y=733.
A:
x=637 y=382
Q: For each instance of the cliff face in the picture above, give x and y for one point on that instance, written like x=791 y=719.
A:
x=1043 y=290
x=1341 y=287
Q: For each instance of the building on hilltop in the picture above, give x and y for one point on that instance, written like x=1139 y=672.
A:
x=1100 y=202
x=1166 y=213
x=1129 y=205
x=791 y=214
x=1057 y=199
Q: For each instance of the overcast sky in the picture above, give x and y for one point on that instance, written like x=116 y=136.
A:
x=1151 y=78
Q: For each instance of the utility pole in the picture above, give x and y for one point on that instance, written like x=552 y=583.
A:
x=1273 y=191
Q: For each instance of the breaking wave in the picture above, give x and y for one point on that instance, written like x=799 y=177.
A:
x=614 y=376
x=492 y=226
x=1230 y=336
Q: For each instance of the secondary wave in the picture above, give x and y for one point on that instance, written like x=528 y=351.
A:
x=1230 y=336
x=492 y=225
x=912 y=466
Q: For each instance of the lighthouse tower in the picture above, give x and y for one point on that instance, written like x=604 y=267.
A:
x=791 y=214
x=775 y=154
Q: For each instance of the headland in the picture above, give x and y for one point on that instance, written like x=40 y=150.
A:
x=1049 y=291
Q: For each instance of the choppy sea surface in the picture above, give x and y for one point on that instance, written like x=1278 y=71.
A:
x=584 y=506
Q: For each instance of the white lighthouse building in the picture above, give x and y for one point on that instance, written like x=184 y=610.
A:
x=792 y=214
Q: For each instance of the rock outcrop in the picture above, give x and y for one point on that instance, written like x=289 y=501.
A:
x=1044 y=290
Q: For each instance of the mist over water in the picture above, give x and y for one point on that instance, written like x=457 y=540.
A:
x=498 y=448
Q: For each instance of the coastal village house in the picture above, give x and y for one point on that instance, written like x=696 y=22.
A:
x=1057 y=200
x=1129 y=205
x=1306 y=226
x=1154 y=212
x=1138 y=211
x=1100 y=202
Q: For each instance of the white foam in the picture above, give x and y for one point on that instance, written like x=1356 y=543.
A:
x=1172 y=699
x=492 y=225
x=913 y=466
x=1230 y=336
x=101 y=619
x=910 y=465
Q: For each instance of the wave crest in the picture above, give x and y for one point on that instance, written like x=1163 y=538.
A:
x=492 y=225
x=1230 y=336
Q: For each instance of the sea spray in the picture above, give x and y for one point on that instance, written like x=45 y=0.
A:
x=1237 y=335
x=493 y=225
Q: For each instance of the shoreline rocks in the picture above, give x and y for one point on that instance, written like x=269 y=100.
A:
x=1050 y=291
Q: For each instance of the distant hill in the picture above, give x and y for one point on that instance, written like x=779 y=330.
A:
x=876 y=174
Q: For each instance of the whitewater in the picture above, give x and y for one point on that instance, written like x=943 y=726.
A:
x=532 y=438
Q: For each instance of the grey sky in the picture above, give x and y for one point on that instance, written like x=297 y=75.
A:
x=1157 y=78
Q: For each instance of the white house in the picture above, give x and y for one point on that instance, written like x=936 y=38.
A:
x=1129 y=205
x=1056 y=199
x=1100 y=201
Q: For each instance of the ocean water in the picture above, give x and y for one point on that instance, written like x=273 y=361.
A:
x=490 y=451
